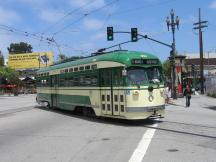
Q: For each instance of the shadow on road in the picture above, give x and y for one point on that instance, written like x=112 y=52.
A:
x=105 y=120
x=182 y=132
x=211 y=107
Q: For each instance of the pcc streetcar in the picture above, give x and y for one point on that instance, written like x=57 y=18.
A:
x=118 y=84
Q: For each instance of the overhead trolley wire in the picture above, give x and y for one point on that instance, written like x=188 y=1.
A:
x=83 y=16
x=141 y=7
x=68 y=14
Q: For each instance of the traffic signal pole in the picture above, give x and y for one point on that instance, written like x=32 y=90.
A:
x=142 y=37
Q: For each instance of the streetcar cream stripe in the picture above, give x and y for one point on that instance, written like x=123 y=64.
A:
x=142 y=147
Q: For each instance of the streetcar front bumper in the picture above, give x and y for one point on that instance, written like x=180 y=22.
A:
x=144 y=109
x=144 y=112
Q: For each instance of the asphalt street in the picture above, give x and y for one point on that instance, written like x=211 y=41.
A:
x=32 y=133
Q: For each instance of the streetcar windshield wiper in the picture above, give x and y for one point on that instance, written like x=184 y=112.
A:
x=155 y=81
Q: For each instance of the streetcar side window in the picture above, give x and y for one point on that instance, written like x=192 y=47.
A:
x=71 y=82
x=87 y=80
x=66 y=82
x=76 y=81
x=94 y=80
x=61 y=82
x=105 y=78
x=117 y=77
x=82 y=81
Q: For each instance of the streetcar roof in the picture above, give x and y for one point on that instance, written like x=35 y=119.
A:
x=123 y=57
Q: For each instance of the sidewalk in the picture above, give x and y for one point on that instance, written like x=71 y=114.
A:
x=201 y=101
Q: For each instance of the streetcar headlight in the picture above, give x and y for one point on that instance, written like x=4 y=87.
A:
x=135 y=92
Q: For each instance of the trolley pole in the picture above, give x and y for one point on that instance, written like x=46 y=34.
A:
x=201 y=24
x=173 y=24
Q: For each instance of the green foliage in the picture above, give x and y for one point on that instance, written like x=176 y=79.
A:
x=167 y=69
x=1 y=60
x=22 y=47
x=61 y=57
x=10 y=75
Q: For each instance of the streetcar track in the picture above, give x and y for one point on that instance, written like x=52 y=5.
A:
x=11 y=111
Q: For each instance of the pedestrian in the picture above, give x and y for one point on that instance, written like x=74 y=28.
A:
x=166 y=89
x=187 y=94
x=167 y=92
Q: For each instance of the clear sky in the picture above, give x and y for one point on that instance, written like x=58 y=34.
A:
x=79 y=26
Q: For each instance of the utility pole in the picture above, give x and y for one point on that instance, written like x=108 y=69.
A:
x=173 y=24
x=199 y=25
x=39 y=60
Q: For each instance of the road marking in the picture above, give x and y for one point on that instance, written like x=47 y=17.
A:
x=142 y=147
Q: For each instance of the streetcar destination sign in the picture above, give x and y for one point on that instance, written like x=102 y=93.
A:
x=144 y=61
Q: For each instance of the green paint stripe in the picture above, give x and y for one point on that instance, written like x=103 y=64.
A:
x=66 y=99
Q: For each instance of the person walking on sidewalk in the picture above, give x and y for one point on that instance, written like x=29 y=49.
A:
x=187 y=94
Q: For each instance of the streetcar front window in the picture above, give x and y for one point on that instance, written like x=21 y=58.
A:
x=137 y=76
x=140 y=76
x=154 y=74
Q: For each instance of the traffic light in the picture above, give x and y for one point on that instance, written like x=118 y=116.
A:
x=192 y=67
x=134 y=35
x=110 y=33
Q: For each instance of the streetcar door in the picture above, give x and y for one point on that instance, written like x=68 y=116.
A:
x=106 y=91
x=54 y=84
x=116 y=80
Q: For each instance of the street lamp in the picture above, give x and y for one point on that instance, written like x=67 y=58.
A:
x=173 y=23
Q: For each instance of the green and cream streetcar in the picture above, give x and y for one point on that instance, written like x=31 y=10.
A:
x=118 y=84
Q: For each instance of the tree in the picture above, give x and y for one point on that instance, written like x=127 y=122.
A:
x=10 y=75
x=1 y=59
x=22 y=47
x=167 y=69
x=62 y=57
